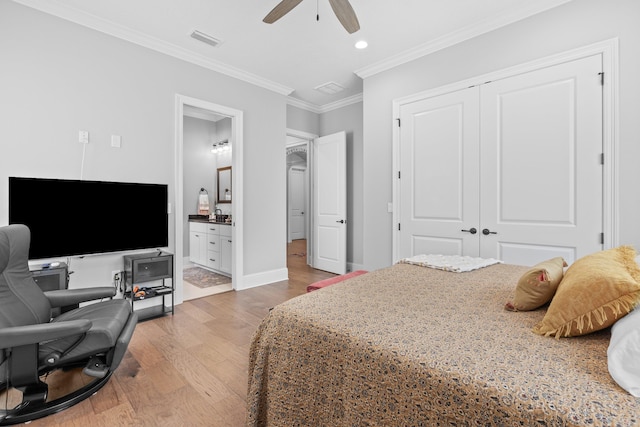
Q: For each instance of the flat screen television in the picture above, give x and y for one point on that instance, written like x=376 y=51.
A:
x=75 y=217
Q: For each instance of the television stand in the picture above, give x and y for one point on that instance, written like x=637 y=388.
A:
x=142 y=269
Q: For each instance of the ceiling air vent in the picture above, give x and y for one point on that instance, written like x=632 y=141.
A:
x=329 y=88
x=205 y=38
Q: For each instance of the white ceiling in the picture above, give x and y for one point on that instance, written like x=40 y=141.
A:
x=297 y=53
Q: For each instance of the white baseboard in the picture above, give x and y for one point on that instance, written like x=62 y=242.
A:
x=351 y=266
x=265 y=278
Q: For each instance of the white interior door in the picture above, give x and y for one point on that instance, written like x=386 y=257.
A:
x=541 y=170
x=439 y=186
x=296 y=203
x=330 y=203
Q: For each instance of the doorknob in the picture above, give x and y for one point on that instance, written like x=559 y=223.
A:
x=341 y=221
x=471 y=230
x=486 y=232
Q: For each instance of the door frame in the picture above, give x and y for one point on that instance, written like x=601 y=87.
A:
x=608 y=49
x=308 y=137
x=237 y=271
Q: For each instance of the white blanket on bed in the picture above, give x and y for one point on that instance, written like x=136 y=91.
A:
x=454 y=263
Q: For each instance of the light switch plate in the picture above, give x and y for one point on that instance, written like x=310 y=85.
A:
x=116 y=141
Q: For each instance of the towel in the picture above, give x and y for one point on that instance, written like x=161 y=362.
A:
x=203 y=204
x=454 y=263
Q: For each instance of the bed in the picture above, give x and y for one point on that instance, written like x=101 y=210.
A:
x=415 y=346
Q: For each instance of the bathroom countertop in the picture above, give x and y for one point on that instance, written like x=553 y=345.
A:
x=209 y=221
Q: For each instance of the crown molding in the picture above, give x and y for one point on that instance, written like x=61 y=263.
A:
x=459 y=36
x=354 y=99
x=76 y=16
x=320 y=109
x=295 y=102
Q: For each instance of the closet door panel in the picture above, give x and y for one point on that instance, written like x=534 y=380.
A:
x=541 y=138
x=439 y=175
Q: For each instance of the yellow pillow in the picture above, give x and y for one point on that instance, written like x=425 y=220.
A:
x=596 y=290
x=537 y=286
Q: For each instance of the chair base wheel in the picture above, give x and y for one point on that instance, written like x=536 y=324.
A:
x=32 y=407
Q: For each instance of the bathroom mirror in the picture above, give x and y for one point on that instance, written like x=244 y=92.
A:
x=224 y=185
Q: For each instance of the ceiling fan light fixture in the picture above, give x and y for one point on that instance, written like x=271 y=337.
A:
x=361 y=44
x=342 y=9
x=205 y=38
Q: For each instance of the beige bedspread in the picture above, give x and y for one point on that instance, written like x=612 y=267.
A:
x=414 y=346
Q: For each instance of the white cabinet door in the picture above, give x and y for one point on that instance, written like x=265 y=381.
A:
x=225 y=254
x=198 y=247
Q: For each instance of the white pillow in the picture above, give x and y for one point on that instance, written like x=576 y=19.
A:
x=624 y=352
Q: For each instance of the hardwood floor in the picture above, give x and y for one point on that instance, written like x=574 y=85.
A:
x=189 y=369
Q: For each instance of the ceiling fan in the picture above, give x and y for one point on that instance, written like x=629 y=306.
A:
x=342 y=9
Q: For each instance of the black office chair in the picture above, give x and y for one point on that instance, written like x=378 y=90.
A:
x=32 y=344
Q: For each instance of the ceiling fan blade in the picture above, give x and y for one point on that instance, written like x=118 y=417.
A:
x=280 y=10
x=346 y=15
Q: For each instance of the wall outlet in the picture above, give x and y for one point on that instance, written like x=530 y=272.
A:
x=83 y=136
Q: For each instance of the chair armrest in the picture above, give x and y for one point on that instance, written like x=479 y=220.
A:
x=67 y=297
x=16 y=336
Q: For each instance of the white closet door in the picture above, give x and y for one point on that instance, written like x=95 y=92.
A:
x=439 y=175
x=541 y=176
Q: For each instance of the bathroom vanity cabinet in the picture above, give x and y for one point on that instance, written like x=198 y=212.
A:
x=210 y=245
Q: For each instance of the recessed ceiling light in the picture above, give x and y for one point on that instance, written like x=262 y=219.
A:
x=361 y=44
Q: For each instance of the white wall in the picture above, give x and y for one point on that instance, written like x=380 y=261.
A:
x=303 y=120
x=224 y=159
x=570 y=26
x=199 y=171
x=58 y=77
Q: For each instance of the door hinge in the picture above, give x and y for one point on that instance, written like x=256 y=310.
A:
x=398 y=226
x=602 y=238
x=601 y=78
x=398 y=174
x=398 y=122
x=602 y=158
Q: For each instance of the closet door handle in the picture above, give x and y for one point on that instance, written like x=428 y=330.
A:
x=341 y=221
x=471 y=230
x=486 y=232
